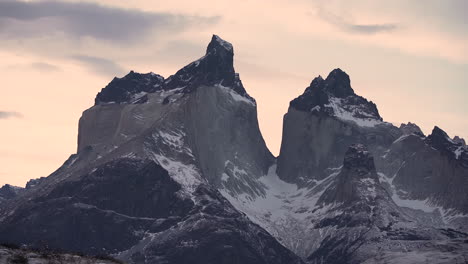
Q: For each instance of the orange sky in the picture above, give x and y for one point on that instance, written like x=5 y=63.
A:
x=412 y=63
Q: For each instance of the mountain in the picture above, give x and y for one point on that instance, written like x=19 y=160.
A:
x=323 y=194
x=364 y=225
x=143 y=184
x=321 y=124
x=175 y=170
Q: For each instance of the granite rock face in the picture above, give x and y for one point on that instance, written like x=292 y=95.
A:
x=432 y=169
x=364 y=225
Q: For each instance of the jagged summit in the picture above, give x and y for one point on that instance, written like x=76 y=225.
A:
x=216 y=68
x=8 y=191
x=339 y=84
x=459 y=140
x=132 y=88
x=411 y=128
x=357 y=181
x=441 y=141
x=218 y=44
x=334 y=96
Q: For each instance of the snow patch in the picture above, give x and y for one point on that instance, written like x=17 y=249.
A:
x=285 y=210
x=458 y=152
x=186 y=175
x=346 y=115
x=235 y=96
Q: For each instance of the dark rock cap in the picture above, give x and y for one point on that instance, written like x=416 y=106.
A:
x=357 y=157
x=215 y=68
x=338 y=83
x=439 y=140
x=123 y=90
x=8 y=192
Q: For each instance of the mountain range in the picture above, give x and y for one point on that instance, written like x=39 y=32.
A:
x=175 y=170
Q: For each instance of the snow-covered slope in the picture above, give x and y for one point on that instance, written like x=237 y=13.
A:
x=349 y=217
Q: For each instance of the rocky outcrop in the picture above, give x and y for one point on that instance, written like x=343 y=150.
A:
x=132 y=88
x=410 y=128
x=356 y=180
x=8 y=191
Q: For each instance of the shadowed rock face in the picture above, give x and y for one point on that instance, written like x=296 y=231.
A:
x=357 y=180
x=104 y=209
x=135 y=205
x=9 y=192
x=130 y=89
x=432 y=168
x=364 y=225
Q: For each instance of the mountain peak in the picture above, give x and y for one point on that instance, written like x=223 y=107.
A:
x=439 y=140
x=218 y=44
x=334 y=96
x=411 y=128
x=339 y=84
x=215 y=68
x=357 y=181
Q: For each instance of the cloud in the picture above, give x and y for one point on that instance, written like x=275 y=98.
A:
x=44 y=67
x=100 y=66
x=370 y=28
x=343 y=24
x=20 y=20
x=8 y=114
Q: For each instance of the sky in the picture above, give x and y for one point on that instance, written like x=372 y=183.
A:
x=410 y=57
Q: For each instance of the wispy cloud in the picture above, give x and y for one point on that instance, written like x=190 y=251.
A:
x=356 y=28
x=44 y=67
x=20 y=19
x=9 y=114
x=370 y=28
